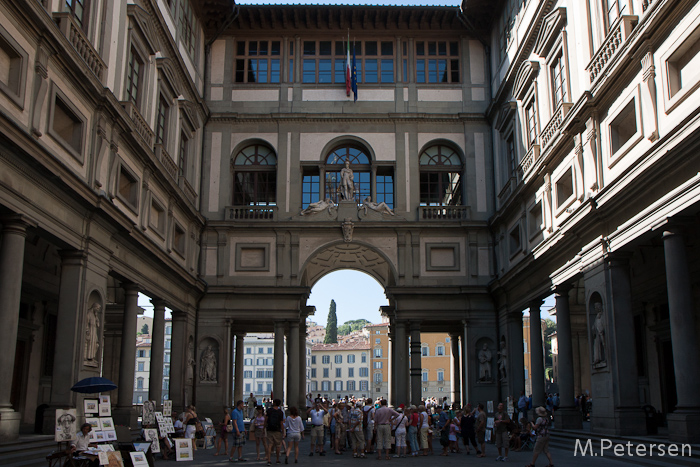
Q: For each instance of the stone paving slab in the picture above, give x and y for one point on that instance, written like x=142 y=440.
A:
x=561 y=457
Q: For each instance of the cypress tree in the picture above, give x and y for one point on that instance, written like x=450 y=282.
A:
x=331 y=326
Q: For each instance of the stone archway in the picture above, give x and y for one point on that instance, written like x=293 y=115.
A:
x=355 y=255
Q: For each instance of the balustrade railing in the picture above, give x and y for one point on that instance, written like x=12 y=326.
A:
x=66 y=23
x=619 y=32
x=444 y=213
x=251 y=213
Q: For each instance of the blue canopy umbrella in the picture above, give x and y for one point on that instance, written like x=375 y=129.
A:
x=93 y=385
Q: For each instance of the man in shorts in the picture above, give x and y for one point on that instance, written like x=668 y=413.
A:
x=238 y=433
x=502 y=422
x=542 y=431
x=317 y=412
x=274 y=424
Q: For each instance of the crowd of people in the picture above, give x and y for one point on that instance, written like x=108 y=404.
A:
x=366 y=427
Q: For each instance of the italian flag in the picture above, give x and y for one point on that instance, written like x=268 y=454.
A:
x=348 y=80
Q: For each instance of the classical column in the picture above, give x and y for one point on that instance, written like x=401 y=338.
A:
x=568 y=417
x=293 y=363
x=455 y=380
x=400 y=362
x=536 y=355
x=124 y=413
x=516 y=367
x=177 y=360
x=416 y=369
x=684 y=423
x=302 y=365
x=278 y=368
x=14 y=232
x=238 y=368
x=465 y=364
x=391 y=351
x=155 y=378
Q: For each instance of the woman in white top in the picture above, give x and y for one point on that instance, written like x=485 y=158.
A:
x=399 y=424
x=295 y=432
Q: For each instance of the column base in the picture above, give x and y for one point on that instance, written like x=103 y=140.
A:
x=9 y=425
x=568 y=418
x=684 y=425
x=126 y=416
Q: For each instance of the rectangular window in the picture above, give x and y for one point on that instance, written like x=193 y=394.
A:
x=182 y=157
x=133 y=77
x=128 y=187
x=441 y=376
x=325 y=372
x=162 y=120
x=325 y=386
x=614 y=9
x=140 y=366
x=377 y=378
x=510 y=155
x=326 y=359
x=425 y=352
x=259 y=62
x=531 y=123
x=364 y=385
x=558 y=76
x=248 y=361
x=260 y=374
x=338 y=385
x=437 y=62
x=363 y=359
x=310 y=191
x=377 y=353
x=623 y=127
x=247 y=374
x=378 y=365
x=684 y=64
x=364 y=372
x=247 y=387
x=514 y=240
x=313 y=372
x=248 y=350
x=261 y=350
x=535 y=219
x=350 y=385
x=78 y=9
x=142 y=353
x=425 y=376
x=351 y=372
x=260 y=388
x=351 y=358
x=440 y=350
x=338 y=373
x=313 y=359
x=564 y=188
x=187 y=27
x=67 y=126
x=385 y=186
x=325 y=62
x=377 y=341
x=338 y=359
x=179 y=239
x=269 y=361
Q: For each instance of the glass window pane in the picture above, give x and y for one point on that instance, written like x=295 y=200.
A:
x=262 y=71
x=387 y=71
x=252 y=71
x=275 y=70
x=370 y=48
x=262 y=50
x=432 y=71
x=454 y=65
x=442 y=48
x=420 y=71
x=291 y=48
x=240 y=46
x=341 y=48
x=454 y=48
x=442 y=71
x=309 y=73
x=359 y=70
x=291 y=70
x=253 y=48
x=240 y=70
x=432 y=48
x=420 y=48
x=405 y=70
x=387 y=48
x=340 y=70
x=309 y=48
x=324 y=71
x=275 y=48
x=324 y=48
x=371 y=71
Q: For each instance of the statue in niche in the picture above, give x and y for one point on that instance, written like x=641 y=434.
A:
x=598 y=334
x=485 y=358
x=207 y=365
x=503 y=361
x=318 y=206
x=347 y=183
x=92 y=334
x=190 y=361
x=381 y=208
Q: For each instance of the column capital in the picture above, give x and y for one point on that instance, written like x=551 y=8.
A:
x=537 y=303
x=562 y=289
x=159 y=303
x=131 y=287
x=76 y=257
x=18 y=223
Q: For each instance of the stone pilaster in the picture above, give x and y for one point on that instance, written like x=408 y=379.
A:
x=177 y=360
x=278 y=367
x=456 y=377
x=124 y=413
x=400 y=362
x=536 y=355
x=238 y=371
x=567 y=417
x=155 y=378
x=293 y=364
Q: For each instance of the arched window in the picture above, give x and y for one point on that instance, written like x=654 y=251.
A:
x=370 y=179
x=440 y=177
x=255 y=176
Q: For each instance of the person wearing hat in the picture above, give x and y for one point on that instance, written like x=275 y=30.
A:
x=541 y=428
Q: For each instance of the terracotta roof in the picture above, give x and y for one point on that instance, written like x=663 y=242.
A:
x=360 y=345
x=377 y=325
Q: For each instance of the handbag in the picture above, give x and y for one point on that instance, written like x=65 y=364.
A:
x=229 y=427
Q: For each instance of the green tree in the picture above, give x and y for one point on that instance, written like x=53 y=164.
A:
x=350 y=326
x=550 y=327
x=331 y=326
x=144 y=328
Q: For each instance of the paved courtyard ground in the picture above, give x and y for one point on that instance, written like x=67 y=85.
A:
x=562 y=454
